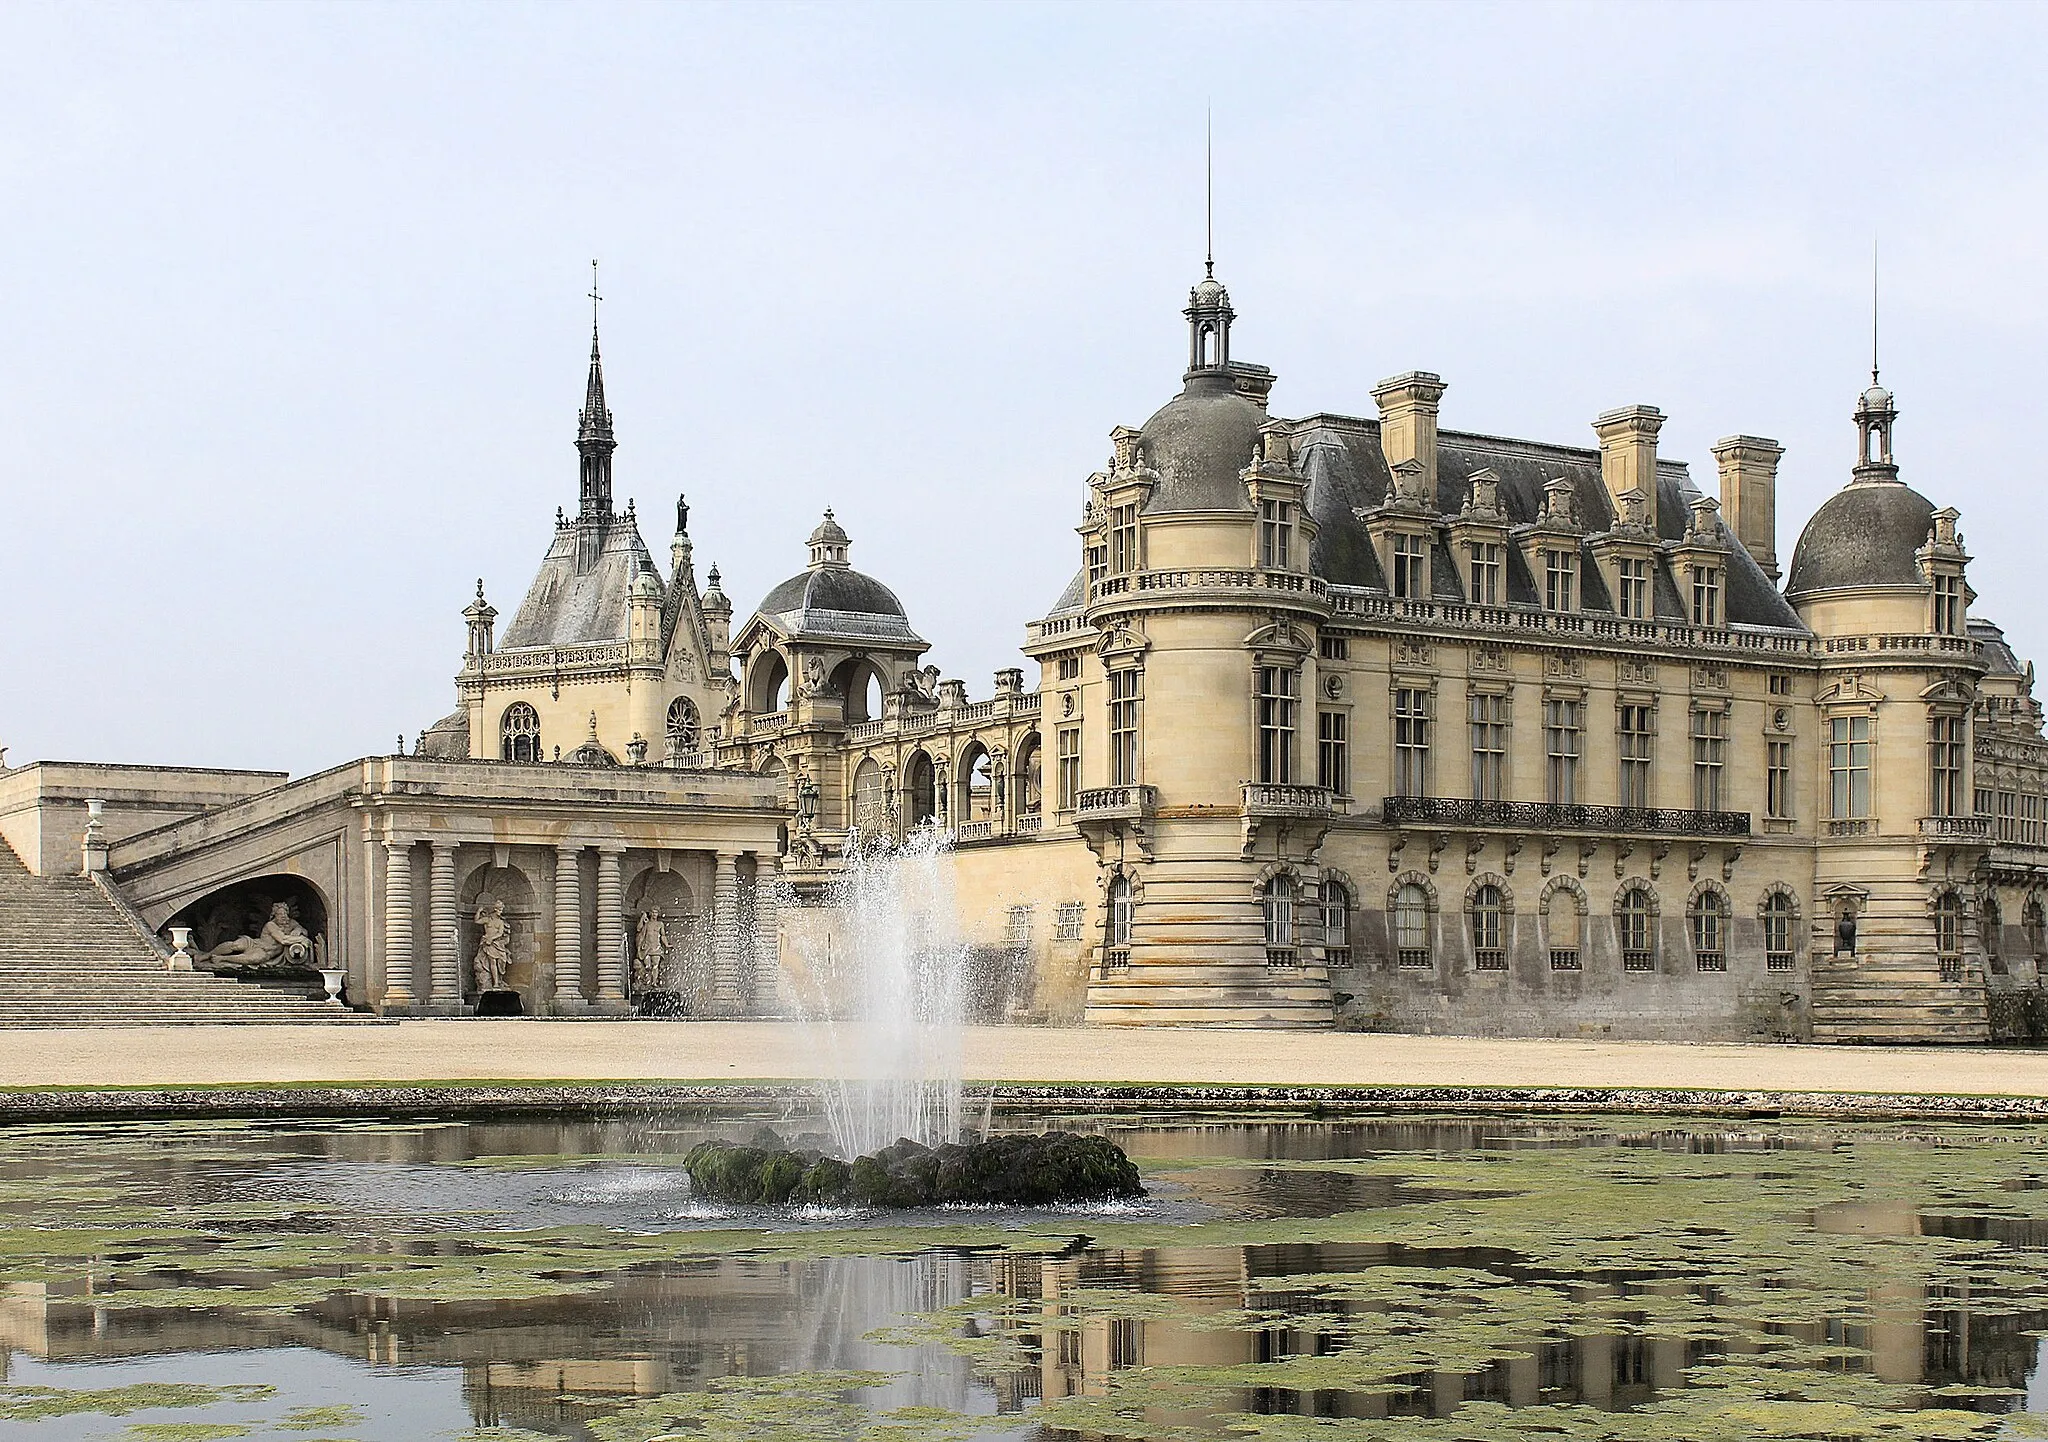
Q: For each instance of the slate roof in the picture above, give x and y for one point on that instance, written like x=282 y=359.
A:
x=563 y=608
x=1865 y=534
x=1198 y=442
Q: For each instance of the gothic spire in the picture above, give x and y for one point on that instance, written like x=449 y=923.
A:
x=594 y=429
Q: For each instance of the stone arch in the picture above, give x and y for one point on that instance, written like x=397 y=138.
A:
x=1027 y=772
x=243 y=909
x=1413 y=878
x=869 y=810
x=1112 y=870
x=1637 y=883
x=1778 y=888
x=513 y=889
x=1709 y=887
x=1569 y=884
x=768 y=682
x=1494 y=879
x=1272 y=869
x=920 y=789
x=859 y=684
x=678 y=978
x=974 y=779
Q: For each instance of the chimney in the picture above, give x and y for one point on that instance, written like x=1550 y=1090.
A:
x=1749 y=495
x=1628 y=455
x=1408 y=423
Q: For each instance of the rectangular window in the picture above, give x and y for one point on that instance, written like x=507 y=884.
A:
x=1333 y=752
x=1070 y=767
x=1638 y=738
x=1098 y=563
x=1067 y=922
x=1126 y=696
x=1334 y=648
x=1017 y=929
x=1411 y=567
x=1948 y=605
x=1561 y=737
x=1634 y=579
x=1486 y=573
x=1279 y=690
x=2008 y=816
x=1945 y=741
x=1706 y=595
x=1778 y=779
x=1411 y=741
x=1709 y=744
x=1489 y=715
x=1123 y=539
x=1276 y=534
x=1848 y=767
x=1781 y=684
x=1070 y=668
x=1560 y=569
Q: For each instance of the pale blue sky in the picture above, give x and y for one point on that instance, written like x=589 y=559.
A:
x=292 y=326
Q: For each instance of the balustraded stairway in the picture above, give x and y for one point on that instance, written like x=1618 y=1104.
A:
x=68 y=958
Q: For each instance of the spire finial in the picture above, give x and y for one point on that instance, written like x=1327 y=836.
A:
x=1209 y=192
x=594 y=299
x=1873 y=310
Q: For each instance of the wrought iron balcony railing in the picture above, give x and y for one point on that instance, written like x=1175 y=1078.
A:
x=1548 y=816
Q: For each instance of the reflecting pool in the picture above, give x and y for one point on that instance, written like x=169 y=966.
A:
x=1638 y=1280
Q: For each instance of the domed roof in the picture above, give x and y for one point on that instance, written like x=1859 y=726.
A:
x=829 y=532
x=832 y=588
x=1865 y=535
x=1877 y=398
x=1209 y=293
x=1200 y=443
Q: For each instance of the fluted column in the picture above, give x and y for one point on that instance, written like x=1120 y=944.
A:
x=767 y=988
x=727 y=946
x=397 y=923
x=443 y=930
x=568 y=928
x=611 y=926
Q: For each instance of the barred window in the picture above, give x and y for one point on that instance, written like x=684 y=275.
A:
x=1946 y=738
x=1279 y=912
x=1411 y=741
x=1486 y=573
x=1709 y=743
x=1635 y=925
x=1411 y=925
x=1560 y=570
x=1489 y=715
x=1777 y=779
x=1638 y=738
x=1070 y=767
x=1279 y=688
x=1126 y=697
x=1066 y=924
x=1120 y=911
x=1778 y=919
x=1633 y=577
x=1488 y=950
x=1561 y=738
x=1948 y=935
x=1276 y=534
x=1708 y=920
x=1017 y=928
x=1411 y=567
x=1336 y=924
x=1849 y=766
x=1333 y=752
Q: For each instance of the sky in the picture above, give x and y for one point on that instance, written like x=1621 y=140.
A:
x=293 y=321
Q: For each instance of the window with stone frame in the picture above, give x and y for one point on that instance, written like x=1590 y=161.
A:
x=1278 y=901
x=1488 y=567
x=1126 y=700
x=1948 y=604
x=1333 y=648
x=1709 y=753
x=1560 y=575
x=1411 y=926
x=1276 y=534
x=1848 y=767
x=519 y=734
x=1411 y=567
x=1707 y=919
x=1489 y=721
x=1017 y=926
x=1948 y=935
x=1635 y=926
x=684 y=730
x=1333 y=751
x=1778 y=917
x=1070 y=666
x=1488 y=912
x=1778 y=779
x=1066 y=922
x=1991 y=925
x=1638 y=734
x=1411 y=741
x=1069 y=767
x=1947 y=736
x=1123 y=539
x=1562 y=930
x=1278 y=701
x=1563 y=733
x=1632 y=588
x=1117 y=937
x=2034 y=921
x=1336 y=923
x=1706 y=595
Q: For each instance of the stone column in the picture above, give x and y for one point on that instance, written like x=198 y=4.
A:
x=568 y=928
x=611 y=926
x=767 y=959
x=444 y=931
x=726 y=943
x=397 y=924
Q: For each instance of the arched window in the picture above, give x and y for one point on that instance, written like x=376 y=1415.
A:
x=519 y=733
x=1488 y=950
x=921 y=783
x=977 y=785
x=1561 y=929
x=1635 y=922
x=870 y=807
x=1336 y=924
x=1116 y=955
x=1778 y=917
x=1948 y=935
x=1707 y=920
x=685 y=730
x=1030 y=776
x=1993 y=923
x=1280 y=917
x=1411 y=925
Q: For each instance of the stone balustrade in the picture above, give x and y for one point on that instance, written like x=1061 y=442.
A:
x=1539 y=816
x=1110 y=803
x=1457 y=616
x=1955 y=828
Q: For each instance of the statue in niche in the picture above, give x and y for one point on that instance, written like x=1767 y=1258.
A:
x=649 y=951
x=282 y=938
x=493 y=960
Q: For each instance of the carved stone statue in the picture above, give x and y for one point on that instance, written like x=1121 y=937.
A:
x=648 y=951
x=282 y=938
x=814 y=675
x=493 y=959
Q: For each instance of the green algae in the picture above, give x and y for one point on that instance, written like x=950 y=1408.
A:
x=40 y=1404
x=787 y=1407
x=185 y=1431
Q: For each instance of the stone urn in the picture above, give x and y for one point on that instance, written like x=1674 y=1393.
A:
x=181 y=949
x=331 y=980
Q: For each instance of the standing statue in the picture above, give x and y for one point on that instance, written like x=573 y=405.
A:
x=493 y=960
x=282 y=938
x=647 y=951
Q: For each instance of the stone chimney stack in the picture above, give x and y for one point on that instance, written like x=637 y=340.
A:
x=1408 y=423
x=1749 y=495
x=1628 y=455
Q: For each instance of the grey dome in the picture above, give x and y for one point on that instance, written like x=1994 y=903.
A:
x=1866 y=535
x=832 y=588
x=1200 y=443
x=1877 y=398
x=1209 y=293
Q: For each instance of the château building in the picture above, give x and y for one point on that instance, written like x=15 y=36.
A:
x=1341 y=720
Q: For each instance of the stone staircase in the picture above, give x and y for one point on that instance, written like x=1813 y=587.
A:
x=68 y=958
x=1898 y=1003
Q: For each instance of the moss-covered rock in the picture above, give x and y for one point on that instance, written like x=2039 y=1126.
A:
x=1021 y=1169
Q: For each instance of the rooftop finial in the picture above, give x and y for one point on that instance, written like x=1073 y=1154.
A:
x=1209 y=193
x=594 y=299
x=1873 y=310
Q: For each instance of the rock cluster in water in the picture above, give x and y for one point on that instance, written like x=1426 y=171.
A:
x=1018 y=1169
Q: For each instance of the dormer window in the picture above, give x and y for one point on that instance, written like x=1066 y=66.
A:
x=1632 y=588
x=1560 y=572
x=1486 y=573
x=1123 y=539
x=1706 y=595
x=1276 y=534
x=1948 y=604
x=1411 y=567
